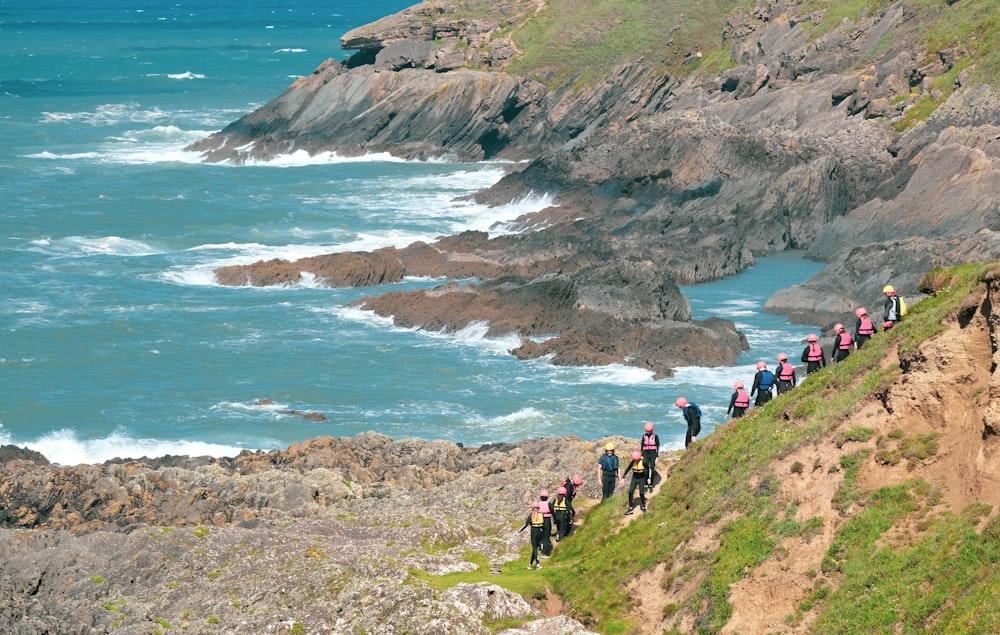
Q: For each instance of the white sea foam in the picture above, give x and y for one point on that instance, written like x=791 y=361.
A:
x=301 y=158
x=290 y=50
x=185 y=75
x=81 y=246
x=612 y=374
x=62 y=447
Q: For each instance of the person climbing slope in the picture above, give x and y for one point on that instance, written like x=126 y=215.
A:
x=785 y=375
x=892 y=310
x=536 y=521
x=649 y=442
x=560 y=513
x=762 y=383
x=812 y=355
x=638 y=469
x=863 y=328
x=692 y=416
x=739 y=402
x=608 y=471
x=842 y=344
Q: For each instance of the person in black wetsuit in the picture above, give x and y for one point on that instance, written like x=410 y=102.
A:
x=692 y=416
x=649 y=443
x=536 y=521
x=785 y=375
x=739 y=402
x=842 y=344
x=609 y=471
x=863 y=328
x=813 y=355
x=638 y=469
x=762 y=383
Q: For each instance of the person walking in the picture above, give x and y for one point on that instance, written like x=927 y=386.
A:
x=842 y=344
x=812 y=355
x=638 y=469
x=739 y=402
x=785 y=375
x=546 y=507
x=692 y=415
x=609 y=471
x=572 y=485
x=892 y=310
x=536 y=521
x=650 y=445
x=863 y=328
x=560 y=513
x=762 y=383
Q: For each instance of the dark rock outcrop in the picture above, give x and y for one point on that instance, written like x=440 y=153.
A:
x=807 y=143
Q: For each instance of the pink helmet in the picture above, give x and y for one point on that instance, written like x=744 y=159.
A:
x=649 y=426
x=681 y=402
x=561 y=491
x=782 y=357
x=543 y=494
x=738 y=385
x=577 y=479
x=860 y=311
x=837 y=328
x=811 y=337
x=761 y=365
x=887 y=324
x=636 y=455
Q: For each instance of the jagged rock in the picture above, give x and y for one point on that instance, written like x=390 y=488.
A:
x=346 y=269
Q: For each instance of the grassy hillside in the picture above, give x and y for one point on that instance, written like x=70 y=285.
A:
x=582 y=41
x=897 y=558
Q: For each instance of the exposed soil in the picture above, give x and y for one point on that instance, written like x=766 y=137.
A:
x=944 y=391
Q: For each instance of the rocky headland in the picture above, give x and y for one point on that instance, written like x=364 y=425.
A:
x=860 y=142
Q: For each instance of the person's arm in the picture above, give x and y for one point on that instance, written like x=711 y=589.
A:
x=756 y=384
x=732 y=403
x=628 y=469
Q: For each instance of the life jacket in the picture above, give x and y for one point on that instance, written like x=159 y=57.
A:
x=559 y=505
x=697 y=410
x=815 y=352
x=766 y=380
x=786 y=372
x=649 y=441
x=544 y=508
x=845 y=341
x=638 y=467
x=866 y=327
x=570 y=487
x=742 y=399
x=537 y=518
x=609 y=463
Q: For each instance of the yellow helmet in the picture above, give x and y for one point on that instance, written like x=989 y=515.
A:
x=609 y=446
x=887 y=289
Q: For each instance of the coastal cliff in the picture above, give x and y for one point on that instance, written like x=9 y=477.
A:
x=871 y=484
x=867 y=139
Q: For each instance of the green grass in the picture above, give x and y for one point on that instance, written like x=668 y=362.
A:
x=940 y=578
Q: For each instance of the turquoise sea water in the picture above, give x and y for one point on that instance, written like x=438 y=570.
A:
x=114 y=338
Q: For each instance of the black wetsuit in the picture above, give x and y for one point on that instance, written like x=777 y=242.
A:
x=638 y=469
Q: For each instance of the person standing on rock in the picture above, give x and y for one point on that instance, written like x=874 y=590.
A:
x=560 y=513
x=692 y=416
x=609 y=471
x=842 y=344
x=812 y=355
x=650 y=445
x=785 y=375
x=638 y=469
x=892 y=310
x=762 y=383
x=863 y=328
x=739 y=402
x=536 y=521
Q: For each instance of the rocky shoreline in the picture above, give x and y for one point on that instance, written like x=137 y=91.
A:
x=657 y=180
x=249 y=543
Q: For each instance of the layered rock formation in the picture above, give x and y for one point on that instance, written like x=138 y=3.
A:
x=331 y=534
x=807 y=143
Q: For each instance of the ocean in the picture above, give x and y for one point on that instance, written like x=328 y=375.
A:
x=115 y=340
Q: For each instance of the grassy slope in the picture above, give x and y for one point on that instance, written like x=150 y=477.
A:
x=582 y=41
x=942 y=581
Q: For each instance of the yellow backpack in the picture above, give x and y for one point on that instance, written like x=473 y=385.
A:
x=902 y=306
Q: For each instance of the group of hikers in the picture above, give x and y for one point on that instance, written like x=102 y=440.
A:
x=813 y=356
x=545 y=513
